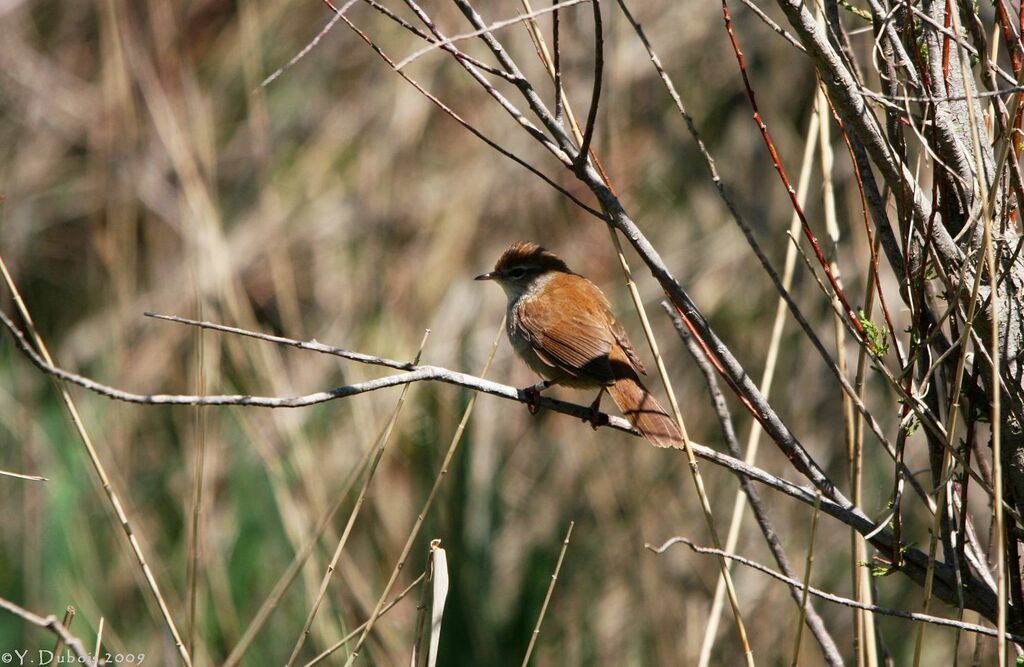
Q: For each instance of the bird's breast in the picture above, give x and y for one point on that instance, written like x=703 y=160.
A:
x=521 y=342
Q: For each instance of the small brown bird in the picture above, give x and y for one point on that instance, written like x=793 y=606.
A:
x=562 y=326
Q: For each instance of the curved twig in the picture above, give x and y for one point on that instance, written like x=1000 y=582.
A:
x=885 y=611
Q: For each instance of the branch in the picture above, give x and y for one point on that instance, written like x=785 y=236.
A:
x=976 y=596
x=427 y=38
x=413 y=373
x=595 y=97
x=846 y=96
x=309 y=47
x=53 y=624
x=885 y=611
x=477 y=33
x=811 y=617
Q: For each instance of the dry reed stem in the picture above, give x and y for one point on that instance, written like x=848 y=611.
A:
x=69 y=617
x=547 y=596
x=99 y=640
x=988 y=257
x=64 y=637
x=421 y=608
x=112 y=497
x=809 y=564
x=371 y=471
x=863 y=622
x=199 y=471
x=497 y=25
x=18 y=475
x=359 y=628
x=767 y=376
x=441 y=475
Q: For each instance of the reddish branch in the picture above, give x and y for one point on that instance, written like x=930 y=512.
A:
x=759 y=120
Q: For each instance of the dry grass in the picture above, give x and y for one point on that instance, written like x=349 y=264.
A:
x=142 y=173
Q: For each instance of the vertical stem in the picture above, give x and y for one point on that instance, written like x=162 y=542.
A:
x=69 y=616
x=771 y=358
x=385 y=438
x=807 y=579
x=453 y=447
x=997 y=449
x=988 y=195
x=199 y=465
x=547 y=596
x=101 y=472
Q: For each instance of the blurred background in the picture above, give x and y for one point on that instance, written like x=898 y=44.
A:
x=144 y=169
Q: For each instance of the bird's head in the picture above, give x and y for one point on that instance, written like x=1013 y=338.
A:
x=524 y=266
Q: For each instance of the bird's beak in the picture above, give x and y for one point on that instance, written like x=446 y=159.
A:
x=485 y=276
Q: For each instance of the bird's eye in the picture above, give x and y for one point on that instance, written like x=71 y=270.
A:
x=516 y=274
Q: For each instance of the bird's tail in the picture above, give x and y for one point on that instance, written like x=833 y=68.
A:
x=645 y=413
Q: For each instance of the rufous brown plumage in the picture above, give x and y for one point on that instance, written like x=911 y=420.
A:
x=562 y=326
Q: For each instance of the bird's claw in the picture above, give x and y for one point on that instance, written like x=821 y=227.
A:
x=532 y=396
x=596 y=418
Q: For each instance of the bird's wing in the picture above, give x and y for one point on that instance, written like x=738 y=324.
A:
x=577 y=341
x=627 y=346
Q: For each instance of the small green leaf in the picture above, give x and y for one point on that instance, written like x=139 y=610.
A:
x=877 y=338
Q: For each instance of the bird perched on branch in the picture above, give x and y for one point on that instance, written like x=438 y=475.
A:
x=562 y=326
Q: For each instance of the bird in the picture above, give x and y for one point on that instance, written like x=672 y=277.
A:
x=561 y=324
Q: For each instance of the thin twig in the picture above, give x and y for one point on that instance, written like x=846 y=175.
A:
x=310 y=46
x=752 y=6
x=557 y=65
x=875 y=609
x=479 y=64
x=385 y=438
x=595 y=96
x=359 y=628
x=69 y=617
x=807 y=582
x=44 y=360
x=421 y=607
x=18 y=475
x=547 y=596
x=192 y=573
x=497 y=25
x=438 y=480
x=54 y=625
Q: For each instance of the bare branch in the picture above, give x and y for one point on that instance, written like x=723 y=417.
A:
x=53 y=624
x=813 y=620
x=976 y=595
x=309 y=47
x=497 y=25
x=480 y=135
x=413 y=373
x=847 y=602
x=595 y=97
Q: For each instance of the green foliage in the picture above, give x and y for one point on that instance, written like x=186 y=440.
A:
x=913 y=423
x=877 y=338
